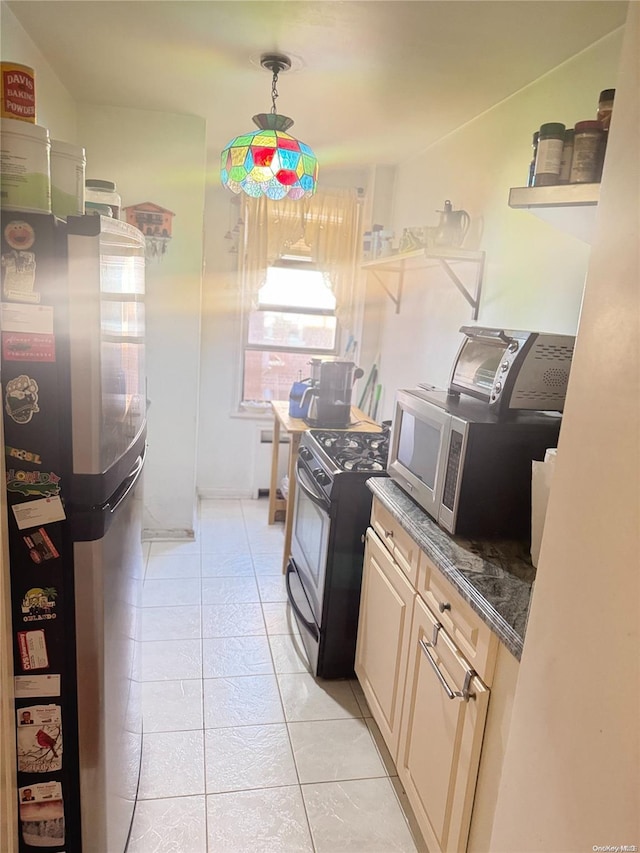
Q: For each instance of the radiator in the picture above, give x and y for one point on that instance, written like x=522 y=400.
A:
x=262 y=460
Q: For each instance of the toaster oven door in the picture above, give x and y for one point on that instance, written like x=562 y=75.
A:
x=485 y=359
x=479 y=361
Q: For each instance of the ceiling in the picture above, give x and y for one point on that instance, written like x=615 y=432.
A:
x=371 y=81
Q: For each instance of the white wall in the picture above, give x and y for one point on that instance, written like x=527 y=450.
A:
x=571 y=780
x=160 y=157
x=55 y=108
x=534 y=274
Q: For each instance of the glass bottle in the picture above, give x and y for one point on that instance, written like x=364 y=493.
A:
x=532 y=165
x=588 y=153
x=549 y=155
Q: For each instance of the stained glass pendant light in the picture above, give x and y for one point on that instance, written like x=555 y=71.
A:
x=269 y=161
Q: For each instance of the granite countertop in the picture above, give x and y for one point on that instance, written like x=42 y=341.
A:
x=493 y=576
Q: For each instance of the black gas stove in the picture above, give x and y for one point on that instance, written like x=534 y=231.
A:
x=331 y=513
x=330 y=456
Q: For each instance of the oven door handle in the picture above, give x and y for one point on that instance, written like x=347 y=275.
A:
x=312 y=495
x=310 y=626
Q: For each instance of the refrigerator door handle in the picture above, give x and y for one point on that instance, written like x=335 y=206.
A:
x=127 y=485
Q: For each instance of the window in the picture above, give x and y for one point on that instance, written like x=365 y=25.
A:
x=294 y=319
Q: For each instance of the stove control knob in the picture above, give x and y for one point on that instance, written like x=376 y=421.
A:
x=320 y=477
x=305 y=453
x=514 y=346
x=504 y=366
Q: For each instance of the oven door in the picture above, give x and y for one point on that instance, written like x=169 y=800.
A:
x=310 y=537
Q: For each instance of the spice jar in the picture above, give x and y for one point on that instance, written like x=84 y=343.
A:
x=588 y=153
x=549 y=155
x=532 y=165
x=103 y=192
x=567 y=157
x=605 y=107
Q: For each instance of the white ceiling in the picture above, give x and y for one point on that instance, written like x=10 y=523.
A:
x=373 y=81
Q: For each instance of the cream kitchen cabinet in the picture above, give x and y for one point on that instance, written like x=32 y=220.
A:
x=386 y=606
x=427 y=664
x=444 y=712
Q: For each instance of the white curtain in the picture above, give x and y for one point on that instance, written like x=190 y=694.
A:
x=327 y=225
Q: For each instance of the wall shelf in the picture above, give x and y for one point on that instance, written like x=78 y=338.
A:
x=570 y=207
x=445 y=258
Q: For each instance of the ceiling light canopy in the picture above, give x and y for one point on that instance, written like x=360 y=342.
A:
x=269 y=161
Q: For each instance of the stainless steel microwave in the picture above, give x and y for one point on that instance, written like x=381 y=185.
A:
x=469 y=469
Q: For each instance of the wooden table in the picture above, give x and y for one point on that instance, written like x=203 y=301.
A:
x=295 y=427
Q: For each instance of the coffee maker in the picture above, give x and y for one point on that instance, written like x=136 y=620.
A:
x=329 y=393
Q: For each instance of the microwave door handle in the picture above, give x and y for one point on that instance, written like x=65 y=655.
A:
x=312 y=495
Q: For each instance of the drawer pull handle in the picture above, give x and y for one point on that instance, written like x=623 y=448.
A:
x=388 y=534
x=444 y=605
x=458 y=694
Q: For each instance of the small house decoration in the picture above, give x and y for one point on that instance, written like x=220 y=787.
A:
x=155 y=223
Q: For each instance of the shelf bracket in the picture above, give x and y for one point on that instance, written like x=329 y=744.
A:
x=420 y=259
x=397 y=297
x=474 y=300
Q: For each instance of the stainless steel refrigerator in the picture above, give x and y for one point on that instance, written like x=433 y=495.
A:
x=74 y=408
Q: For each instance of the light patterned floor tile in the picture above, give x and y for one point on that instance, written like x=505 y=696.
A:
x=230 y=656
x=172 y=705
x=229 y=590
x=272 y=587
x=334 y=750
x=172 y=765
x=171 y=660
x=268 y=564
x=279 y=618
x=227 y=565
x=237 y=759
x=357 y=816
x=381 y=746
x=226 y=537
x=304 y=698
x=169 y=566
x=171 y=623
x=174 y=547
x=232 y=620
x=270 y=820
x=288 y=653
x=171 y=593
x=248 y=700
x=360 y=697
x=169 y=826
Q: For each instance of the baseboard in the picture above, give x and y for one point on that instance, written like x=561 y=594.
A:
x=226 y=494
x=171 y=535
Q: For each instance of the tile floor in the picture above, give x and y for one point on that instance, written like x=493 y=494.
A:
x=243 y=749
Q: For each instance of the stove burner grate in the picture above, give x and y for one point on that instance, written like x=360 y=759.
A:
x=349 y=462
x=355 y=451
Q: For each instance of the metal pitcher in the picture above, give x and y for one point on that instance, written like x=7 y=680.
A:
x=453 y=226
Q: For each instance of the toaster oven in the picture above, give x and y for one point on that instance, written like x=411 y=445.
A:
x=511 y=370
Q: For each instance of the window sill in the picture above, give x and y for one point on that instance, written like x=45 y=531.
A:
x=253 y=413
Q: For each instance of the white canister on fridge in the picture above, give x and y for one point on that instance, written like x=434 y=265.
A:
x=25 y=176
x=67 y=179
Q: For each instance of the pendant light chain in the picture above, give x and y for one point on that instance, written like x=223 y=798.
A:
x=274 y=91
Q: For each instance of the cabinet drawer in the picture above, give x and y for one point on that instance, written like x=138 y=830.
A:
x=402 y=547
x=473 y=637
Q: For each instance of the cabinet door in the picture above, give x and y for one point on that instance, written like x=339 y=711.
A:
x=441 y=736
x=383 y=636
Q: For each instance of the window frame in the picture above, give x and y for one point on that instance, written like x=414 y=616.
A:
x=305 y=264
